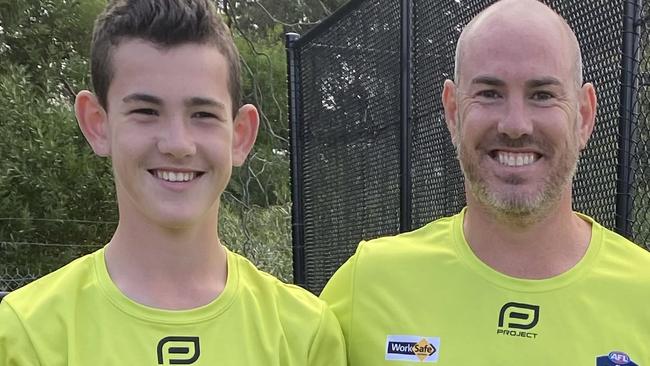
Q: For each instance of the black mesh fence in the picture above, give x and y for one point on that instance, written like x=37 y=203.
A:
x=350 y=129
x=349 y=133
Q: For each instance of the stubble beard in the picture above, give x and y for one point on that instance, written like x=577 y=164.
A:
x=520 y=208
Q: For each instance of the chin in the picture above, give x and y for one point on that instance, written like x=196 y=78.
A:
x=177 y=219
x=523 y=207
x=174 y=223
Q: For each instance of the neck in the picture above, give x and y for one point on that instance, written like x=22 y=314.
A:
x=542 y=248
x=179 y=268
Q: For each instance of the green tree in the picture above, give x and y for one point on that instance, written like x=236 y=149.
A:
x=47 y=173
x=259 y=16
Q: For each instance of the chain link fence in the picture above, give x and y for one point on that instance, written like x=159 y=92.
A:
x=640 y=128
x=372 y=154
x=13 y=280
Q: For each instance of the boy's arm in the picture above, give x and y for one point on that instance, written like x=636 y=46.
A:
x=15 y=346
x=328 y=346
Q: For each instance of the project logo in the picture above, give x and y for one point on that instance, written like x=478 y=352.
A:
x=516 y=319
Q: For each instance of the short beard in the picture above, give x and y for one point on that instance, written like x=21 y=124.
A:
x=518 y=209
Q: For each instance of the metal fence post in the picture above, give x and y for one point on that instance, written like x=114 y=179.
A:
x=406 y=100
x=297 y=216
x=629 y=73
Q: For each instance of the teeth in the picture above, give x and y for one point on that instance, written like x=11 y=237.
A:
x=515 y=159
x=175 y=176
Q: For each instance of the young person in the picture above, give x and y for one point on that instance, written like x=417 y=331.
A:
x=518 y=277
x=164 y=290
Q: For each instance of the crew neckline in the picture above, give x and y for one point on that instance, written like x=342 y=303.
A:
x=125 y=304
x=475 y=264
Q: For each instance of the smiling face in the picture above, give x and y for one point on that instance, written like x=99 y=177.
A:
x=516 y=116
x=169 y=131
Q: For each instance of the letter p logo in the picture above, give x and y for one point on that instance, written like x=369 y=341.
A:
x=519 y=316
x=178 y=350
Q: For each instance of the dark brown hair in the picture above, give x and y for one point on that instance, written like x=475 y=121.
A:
x=166 y=23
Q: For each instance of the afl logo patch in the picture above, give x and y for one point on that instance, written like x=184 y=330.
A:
x=615 y=358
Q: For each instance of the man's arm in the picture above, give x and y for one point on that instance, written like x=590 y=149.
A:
x=339 y=295
x=328 y=346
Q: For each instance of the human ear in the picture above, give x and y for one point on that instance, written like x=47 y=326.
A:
x=245 y=129
x=450 y=104
x=93 y=122
x=587 y=111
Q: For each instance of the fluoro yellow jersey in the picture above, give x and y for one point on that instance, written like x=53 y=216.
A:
x=424 y=298
x=76 y=316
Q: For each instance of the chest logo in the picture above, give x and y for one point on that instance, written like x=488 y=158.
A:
x=412 y=348
x=615 y=358
x=518 y=320
x=178 y=350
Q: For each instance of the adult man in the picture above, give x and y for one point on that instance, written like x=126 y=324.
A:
x=516 y=278
x=168 y=112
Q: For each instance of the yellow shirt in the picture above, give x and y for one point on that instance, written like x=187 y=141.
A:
x=76 y=316
x=424 y=297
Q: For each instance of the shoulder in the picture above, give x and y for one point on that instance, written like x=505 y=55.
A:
x=54 y=290
x=290 y=299
x=625 y=252
x=306 y=321
x=434 y=239
x=393 y=261
x=41 y=310
x=619 y=260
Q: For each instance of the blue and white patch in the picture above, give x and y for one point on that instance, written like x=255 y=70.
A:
x=412 y=348
x=615 y=358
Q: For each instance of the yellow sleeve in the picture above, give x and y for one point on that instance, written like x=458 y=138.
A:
x=15 y=346
x=328 y=346
x=339 y=295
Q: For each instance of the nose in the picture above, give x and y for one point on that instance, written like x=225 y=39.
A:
x=176 y=139
x=517 y=121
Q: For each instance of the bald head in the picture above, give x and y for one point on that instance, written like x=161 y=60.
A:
x=524 y=18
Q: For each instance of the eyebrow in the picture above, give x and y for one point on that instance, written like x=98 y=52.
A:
x=534 y=83
x=488 y=80
x=189 y=102
x=545 y=81
x=201 y=102
x=141 y=97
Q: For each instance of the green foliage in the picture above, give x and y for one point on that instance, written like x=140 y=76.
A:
x=264 y=180
x=50 y=38
x=262 y=234
x=256 y=17
x=47 y=172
